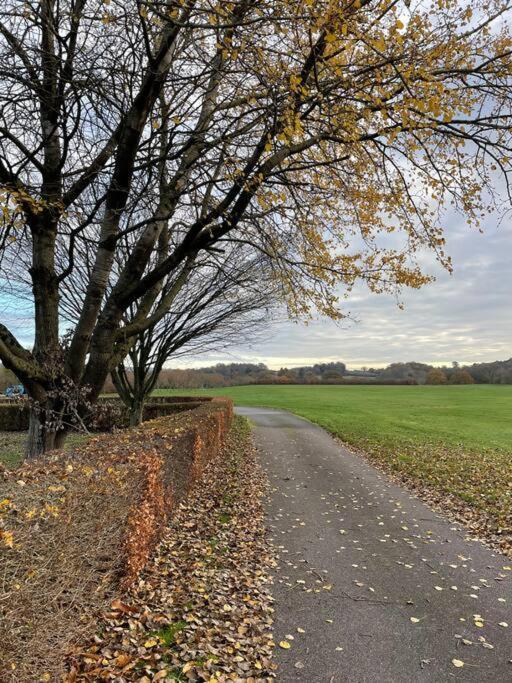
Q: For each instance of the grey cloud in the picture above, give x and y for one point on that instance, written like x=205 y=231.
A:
x=465 y=316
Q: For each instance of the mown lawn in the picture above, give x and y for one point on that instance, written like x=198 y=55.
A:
x=12 y=446
x=452 y=443
x=474 y=416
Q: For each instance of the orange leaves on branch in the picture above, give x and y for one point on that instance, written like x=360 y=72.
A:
x=333 y=136
x=383 y=109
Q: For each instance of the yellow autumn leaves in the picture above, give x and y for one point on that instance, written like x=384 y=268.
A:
x=362 y=140
x=6 y=536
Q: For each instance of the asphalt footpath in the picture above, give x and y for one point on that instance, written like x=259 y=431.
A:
x=371 y=584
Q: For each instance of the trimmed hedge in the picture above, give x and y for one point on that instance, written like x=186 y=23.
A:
x=76 y=529
x=13 y=417
x=160 y=409
x=112 y=413
x=160 y=399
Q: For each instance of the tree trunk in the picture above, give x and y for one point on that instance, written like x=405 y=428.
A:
x=41 y=437
x=60 y=438
x=136 y=412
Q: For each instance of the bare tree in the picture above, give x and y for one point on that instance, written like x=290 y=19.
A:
x=224 y=303
x=138 y=135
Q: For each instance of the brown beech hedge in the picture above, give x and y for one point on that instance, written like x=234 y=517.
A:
x=76 y=529
x=109 y=413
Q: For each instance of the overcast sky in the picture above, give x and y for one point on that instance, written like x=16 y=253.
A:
x=465 y=317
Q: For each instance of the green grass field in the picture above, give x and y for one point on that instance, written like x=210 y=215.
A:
x=477 y=416
x=453 y=444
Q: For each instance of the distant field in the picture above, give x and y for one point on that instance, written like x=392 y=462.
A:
x=477 y=416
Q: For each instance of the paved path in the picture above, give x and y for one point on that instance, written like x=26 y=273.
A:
x=385 y=589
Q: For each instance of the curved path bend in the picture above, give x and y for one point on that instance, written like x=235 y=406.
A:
x=373 y=585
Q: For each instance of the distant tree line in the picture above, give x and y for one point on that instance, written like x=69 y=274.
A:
x=230 y=374
x=497 y=372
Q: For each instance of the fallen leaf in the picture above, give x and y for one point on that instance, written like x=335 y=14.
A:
x=120 y=606
x=122 y=660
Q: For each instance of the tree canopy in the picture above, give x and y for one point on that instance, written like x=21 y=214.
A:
x=328 y=136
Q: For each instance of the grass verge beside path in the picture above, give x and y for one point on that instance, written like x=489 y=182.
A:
x=202 y=610
x=451 y=444
x=476 y=416
x=473 y=487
